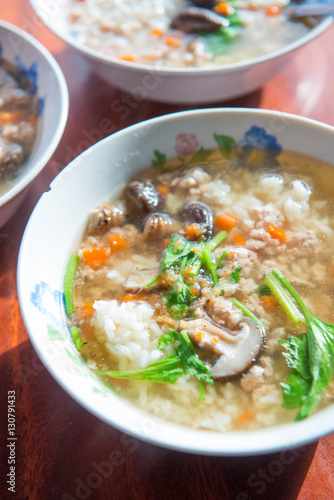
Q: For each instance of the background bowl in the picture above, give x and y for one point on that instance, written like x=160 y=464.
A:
x=19 y=48
x=56 y=226
x=178 y=85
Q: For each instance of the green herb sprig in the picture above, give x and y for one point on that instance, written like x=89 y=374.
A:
x=310 y=355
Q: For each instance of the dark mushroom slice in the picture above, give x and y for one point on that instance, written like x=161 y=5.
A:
x=200 y=213
x=144 y=193
x=206 y=4
x=11 y=157
x=157 y=224
x=194 y=19
x=236 y=350
x=106 y=217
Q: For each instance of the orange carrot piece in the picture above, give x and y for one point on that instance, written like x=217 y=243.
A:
x=224 y=9
x=128 y=57
x=226 y=221
x=130 y=297
x=194 y=290
x=117 y=242
x=95 y=257
x=273 y=10
x=269 y=303
x=276 y=232
x=239 y=239
x=172 y=41
x=245 y=416
x=193 y=231
x=157 y=32
x=163 y=190
x=199 y=336
x=87 y=310
x=12 y=116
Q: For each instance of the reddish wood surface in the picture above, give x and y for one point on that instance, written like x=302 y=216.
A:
x=62 y=451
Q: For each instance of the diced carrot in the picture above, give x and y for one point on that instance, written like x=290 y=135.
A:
x=87 y=310
x=224 y=9
x=276 y=232
x=117 y=242
x=130 y=297
x=157 y=32
x=269 y=302
x=231 y=255
x=215 y=340
x=245 y=416
x=198 y=336
x=239 y=239
x=193 y=231
x=163 y=190
x=172 y=41
x=194 y=290
x=12 y=116
x=95 y=257
x=226 y=221
x=273 y=10
x=161 y=281
x=128 y=57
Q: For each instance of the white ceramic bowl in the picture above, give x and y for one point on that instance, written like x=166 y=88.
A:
x=56 y=226
x=22 y=49
x=177 y=85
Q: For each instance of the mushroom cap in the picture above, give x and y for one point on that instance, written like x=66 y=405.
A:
x=194 y=19
x=237 y=350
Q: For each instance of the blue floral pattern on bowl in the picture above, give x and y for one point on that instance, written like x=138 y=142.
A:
x=31 y=74
x=255 y=146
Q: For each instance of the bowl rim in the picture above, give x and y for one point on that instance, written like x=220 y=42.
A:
x=322 y=26
x=26 y=179
x=281 y=438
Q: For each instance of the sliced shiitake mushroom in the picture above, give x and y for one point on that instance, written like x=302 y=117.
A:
x=157 y=224
x=199 y=212
x=144 y=193
x=195 y=19
x=11 y=157
x=236 y=350
x=206 y=4
x=105 y=217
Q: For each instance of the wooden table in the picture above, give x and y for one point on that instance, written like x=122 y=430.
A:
x=62 y=451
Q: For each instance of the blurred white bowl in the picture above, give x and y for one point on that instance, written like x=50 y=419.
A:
x=56 y=226
x=177 y=85
x=20 y=48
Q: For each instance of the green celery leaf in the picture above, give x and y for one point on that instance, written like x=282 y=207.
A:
x=190 y=362
x=164 y=340
x=311 y=380
x=235 y=275
x=165 y=371
x=178 y=299
x=295 y=389
x=297 y=354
